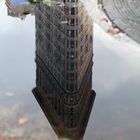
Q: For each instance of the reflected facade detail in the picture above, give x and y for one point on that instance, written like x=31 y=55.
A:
x=64 y=52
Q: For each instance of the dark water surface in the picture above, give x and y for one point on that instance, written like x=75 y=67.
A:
x=116 y=80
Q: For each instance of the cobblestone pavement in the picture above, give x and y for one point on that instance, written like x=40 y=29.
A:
x=124 y=14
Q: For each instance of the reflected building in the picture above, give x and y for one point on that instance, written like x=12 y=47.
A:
x=19 y=8
x=64 y=52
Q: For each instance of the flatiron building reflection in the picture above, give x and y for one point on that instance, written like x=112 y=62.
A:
x=64 y=52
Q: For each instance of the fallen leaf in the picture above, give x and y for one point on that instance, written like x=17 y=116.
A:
x=15 y=138
x=9 y=138
x=104 y=19
x=22 y=121
x=2 y=138
x=114 y=31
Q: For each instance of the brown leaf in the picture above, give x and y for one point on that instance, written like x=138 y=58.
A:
x=113 y=31
x=2 y=138
x=22 y=121
x=104 y=19
x=15 y=138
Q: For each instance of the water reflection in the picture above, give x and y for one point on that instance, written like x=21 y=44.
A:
x=64 y=67
x=117 y=76
x=19 y=9
x=67 y=119
x=64 y=51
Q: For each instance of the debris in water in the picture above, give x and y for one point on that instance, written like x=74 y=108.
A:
x=104 y=19
x=114 y=31
x=22 y=121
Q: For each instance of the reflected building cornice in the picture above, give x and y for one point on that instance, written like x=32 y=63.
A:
x=67 y=120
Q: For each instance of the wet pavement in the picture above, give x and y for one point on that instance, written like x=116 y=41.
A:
x=116 y=78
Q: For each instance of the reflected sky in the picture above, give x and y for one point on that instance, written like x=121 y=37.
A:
x=16 y=46
x=116 y=78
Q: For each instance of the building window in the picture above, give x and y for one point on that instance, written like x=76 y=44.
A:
x=75 y=86
x=72 y=33
x=71 y=66
x=67 y=86
x=66 y=9
x=71 y=109
x=68 y=32
x=72 y=55
x=72 y=44
x=71 y=76
x=72 y=22
x=71 y=87
x=68 y=55
x=67 y=76
x=73 y=11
